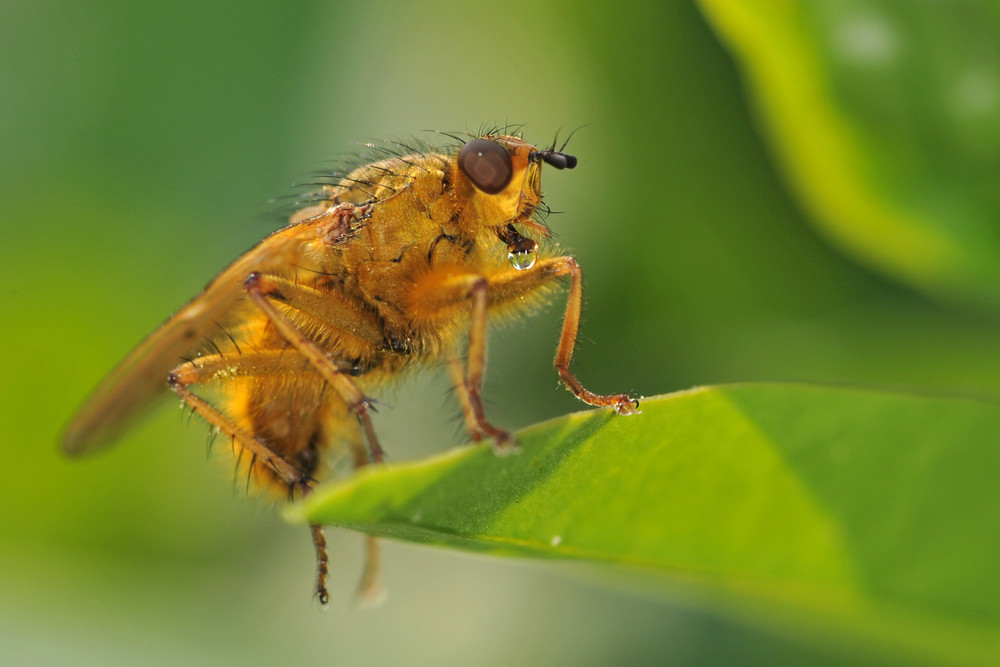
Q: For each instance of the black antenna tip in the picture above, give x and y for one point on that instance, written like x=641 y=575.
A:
x=557 y=159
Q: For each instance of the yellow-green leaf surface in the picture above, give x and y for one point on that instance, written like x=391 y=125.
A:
x=876 y=513
x=886 y=118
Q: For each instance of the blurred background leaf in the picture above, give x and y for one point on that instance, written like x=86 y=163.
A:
x=886 y=117
x=142 y=144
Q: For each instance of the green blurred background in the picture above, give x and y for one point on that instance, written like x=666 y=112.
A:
x=142 y=145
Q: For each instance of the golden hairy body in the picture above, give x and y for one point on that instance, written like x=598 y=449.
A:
x=398 y=264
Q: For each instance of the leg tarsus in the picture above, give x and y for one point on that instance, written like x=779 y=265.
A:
x=622 y=403
x=322 y=564
x=503 y=440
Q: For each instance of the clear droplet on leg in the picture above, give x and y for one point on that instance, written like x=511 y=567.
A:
x=522 y=261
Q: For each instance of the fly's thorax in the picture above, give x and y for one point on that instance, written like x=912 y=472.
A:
x=384 y=179
x=404 y=204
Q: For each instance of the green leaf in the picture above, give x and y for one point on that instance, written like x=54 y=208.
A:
x=886 y=118
x=874 y=513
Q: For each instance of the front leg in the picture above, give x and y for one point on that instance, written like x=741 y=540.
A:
x=436 y=297
x=438 y=292
x=622 y=403
x=456 y=371
x=475 y=368
x=512 y=285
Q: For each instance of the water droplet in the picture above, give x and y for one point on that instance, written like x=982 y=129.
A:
x=522 y=261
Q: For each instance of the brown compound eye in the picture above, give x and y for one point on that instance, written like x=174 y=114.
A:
x=486 y=164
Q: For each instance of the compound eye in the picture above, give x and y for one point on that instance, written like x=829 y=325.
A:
x=486 y=164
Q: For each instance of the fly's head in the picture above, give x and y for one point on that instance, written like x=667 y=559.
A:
x=498 y=181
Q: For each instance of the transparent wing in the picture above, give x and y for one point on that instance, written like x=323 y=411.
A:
x=142 y=375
